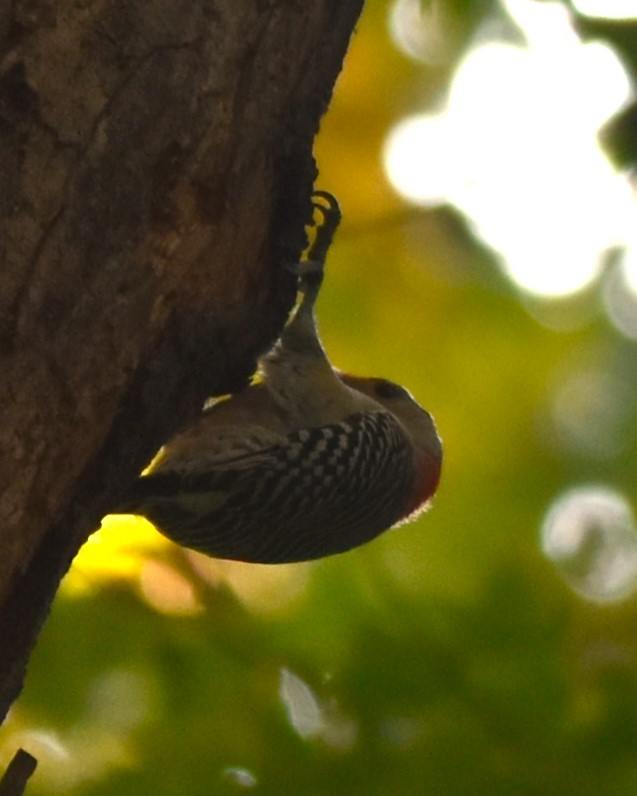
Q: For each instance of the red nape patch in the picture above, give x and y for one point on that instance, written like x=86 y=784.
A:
x=426 y=484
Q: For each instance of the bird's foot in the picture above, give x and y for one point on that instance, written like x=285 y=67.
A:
x=327 y=206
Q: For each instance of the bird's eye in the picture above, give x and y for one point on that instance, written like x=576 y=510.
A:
x=387 y=389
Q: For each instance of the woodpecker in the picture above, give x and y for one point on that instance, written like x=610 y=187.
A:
x=305 y=462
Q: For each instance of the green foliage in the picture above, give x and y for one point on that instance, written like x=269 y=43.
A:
x=449 y=657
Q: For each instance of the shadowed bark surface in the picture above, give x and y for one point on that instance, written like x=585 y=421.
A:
x=155 y=172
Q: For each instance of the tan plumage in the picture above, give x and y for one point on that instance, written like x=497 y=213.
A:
x=305 y=463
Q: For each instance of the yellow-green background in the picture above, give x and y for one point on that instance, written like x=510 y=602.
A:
x=449 y=656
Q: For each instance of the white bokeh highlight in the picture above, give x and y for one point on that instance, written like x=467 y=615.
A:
x=303 y=708
x=607 y=9
x=516 y=150
x=589 y=535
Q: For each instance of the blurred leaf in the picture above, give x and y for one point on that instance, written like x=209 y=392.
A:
x=448 y=657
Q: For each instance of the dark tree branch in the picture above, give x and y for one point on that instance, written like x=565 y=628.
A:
x=18 y=772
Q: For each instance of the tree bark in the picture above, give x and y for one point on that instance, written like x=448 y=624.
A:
x=155 y=173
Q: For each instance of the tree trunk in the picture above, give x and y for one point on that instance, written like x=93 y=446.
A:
x=155 y=173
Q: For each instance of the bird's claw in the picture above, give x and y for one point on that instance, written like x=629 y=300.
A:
x=331 y=217
x=310 y=270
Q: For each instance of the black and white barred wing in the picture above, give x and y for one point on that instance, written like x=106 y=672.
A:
x=323 y=491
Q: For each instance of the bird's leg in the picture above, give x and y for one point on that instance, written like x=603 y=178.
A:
x=298 y=362
x=301 y=334
x=310 y=270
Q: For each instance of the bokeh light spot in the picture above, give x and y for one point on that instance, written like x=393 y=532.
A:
x=619 y=293
x=589 y=534
x=240 y=776
x=607 y=9
x=121 y=699
x=302 y=706
x=116 y=552
x=167 y=590
x=542 y=195
x=313 y=718
x=421 y=30
x=263 y=589
x=589 y=411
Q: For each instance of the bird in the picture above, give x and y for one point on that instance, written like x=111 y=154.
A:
x=305 y=462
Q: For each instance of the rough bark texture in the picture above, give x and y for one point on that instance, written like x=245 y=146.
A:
x=155 y=171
